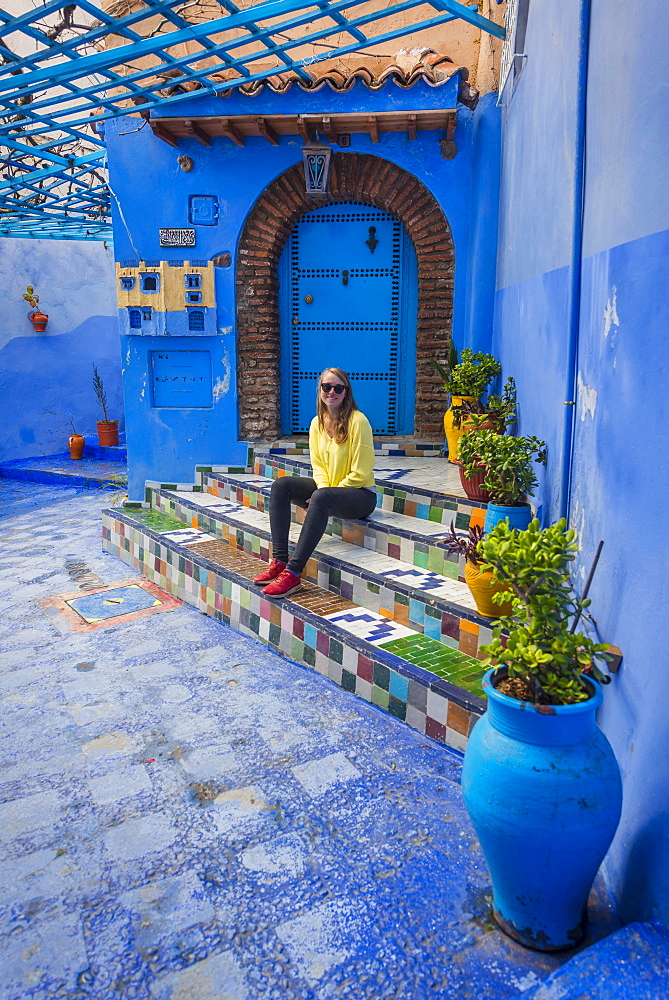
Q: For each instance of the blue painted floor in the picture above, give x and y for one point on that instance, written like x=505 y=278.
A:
x=61 y=470
x=185 y=815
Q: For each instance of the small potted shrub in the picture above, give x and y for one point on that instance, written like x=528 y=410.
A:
x=540 y=780
x=107 y=429
x=483 y=585
x=510 y=475
x=465 y=382
x=38 y=319
x=497 y=413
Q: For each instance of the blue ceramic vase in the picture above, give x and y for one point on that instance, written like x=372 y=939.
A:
x=543 y=791
x=518 y=517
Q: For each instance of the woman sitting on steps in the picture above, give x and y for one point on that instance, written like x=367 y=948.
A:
x=341 y=449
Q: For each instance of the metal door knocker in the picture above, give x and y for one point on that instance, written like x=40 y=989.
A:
x=372 y=242
x=344 y=277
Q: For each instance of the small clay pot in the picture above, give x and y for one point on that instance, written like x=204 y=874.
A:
x=76 y=443
x=39 y=321
x=107 y=433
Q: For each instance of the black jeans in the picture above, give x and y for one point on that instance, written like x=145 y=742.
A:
x=339 y=501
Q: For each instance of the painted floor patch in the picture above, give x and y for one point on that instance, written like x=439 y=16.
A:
x=118 y=603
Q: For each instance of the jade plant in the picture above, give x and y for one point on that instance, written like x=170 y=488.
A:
x=509 y=463
x=498 y=411
x=543 y=655
x=30 y=297
x=472 y=374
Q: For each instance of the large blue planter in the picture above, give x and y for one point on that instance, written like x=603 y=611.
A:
x=543 y=790
x=518 y=517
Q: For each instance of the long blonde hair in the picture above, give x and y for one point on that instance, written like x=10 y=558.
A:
x=343 y=414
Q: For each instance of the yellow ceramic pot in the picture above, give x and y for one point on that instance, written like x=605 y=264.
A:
x=482 y=589
x=453 y=433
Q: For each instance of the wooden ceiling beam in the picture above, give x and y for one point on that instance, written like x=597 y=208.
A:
x=231 y=132
x=267 y=131
x=329 y=129
x=373 y=127
x=303 y=129
x=411 y=130
x=197 y=132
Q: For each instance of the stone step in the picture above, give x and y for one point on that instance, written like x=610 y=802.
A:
x=431 y=685
x=91 y=473
x=421 y=599
x=631 y=962
x=427 y=488
x=413 y=540
x=382 y=446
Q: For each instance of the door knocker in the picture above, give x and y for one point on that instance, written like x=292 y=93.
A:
x=344 y=277
x=372 y=242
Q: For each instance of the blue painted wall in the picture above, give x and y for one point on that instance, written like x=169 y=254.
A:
x=52 y=371
x=151 y=191
x=619 y=468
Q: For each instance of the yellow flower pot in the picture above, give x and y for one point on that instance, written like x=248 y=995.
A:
x=453 y=434
x=482 y=588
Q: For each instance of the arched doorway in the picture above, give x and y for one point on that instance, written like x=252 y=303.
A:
x=348 y=293
x=356 y=177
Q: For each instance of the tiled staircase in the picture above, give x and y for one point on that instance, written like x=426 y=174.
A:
x=383 y=612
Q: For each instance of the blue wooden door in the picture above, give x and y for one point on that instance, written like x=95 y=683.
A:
x=348 y=298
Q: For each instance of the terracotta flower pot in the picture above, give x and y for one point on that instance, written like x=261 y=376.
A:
x=473 y=485
x=39 y=321
x=107 y=433
x=76 y=443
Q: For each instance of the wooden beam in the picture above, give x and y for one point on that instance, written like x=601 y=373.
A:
x=231 y=132
x=412 y=127
x=451 y=122
x=373 y=127
x=303 y=128
x=329 y=129
x=197 y=133
x=267 y=131
x=162 y=132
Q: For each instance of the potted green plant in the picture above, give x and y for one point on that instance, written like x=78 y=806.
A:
x=540 y=780
x=510 y=476
x=465 y=382
x=481 y=582
x=38 y=319
x=107 y=429
x=497 y=413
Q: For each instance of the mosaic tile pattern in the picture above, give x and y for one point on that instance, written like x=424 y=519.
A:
x=357 y=574
x=185 y=814
x=122 y=602
x=215 y=578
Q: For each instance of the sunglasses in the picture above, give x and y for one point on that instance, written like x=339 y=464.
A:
x=328 y=387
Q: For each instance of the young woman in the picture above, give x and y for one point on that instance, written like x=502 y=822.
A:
x=341 y=448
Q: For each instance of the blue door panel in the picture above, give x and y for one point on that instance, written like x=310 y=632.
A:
x=348 y=299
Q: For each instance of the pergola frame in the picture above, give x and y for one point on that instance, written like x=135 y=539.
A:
x=53 y=183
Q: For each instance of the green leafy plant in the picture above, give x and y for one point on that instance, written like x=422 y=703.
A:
x=508 y=462
x=471 y=375
x=544 y=657
x=500 y=411
x=30 y=297
x=100 y=392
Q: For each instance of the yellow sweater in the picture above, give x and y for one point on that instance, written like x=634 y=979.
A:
x=347 y=464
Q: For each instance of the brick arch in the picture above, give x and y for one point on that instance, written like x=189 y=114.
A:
x=354 y=177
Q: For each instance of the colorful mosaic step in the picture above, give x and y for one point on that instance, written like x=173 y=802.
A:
x=420 y=598
x=417 y=541
x=382 y=446
x=427 y=488
x=432 y=686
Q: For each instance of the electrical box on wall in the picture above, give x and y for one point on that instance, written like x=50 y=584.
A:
x=182 y=379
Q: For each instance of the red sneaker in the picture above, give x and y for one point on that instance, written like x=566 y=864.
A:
x=274 y=569
x=284 y=585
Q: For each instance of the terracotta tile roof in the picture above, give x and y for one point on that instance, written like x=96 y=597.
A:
x=404 y=69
